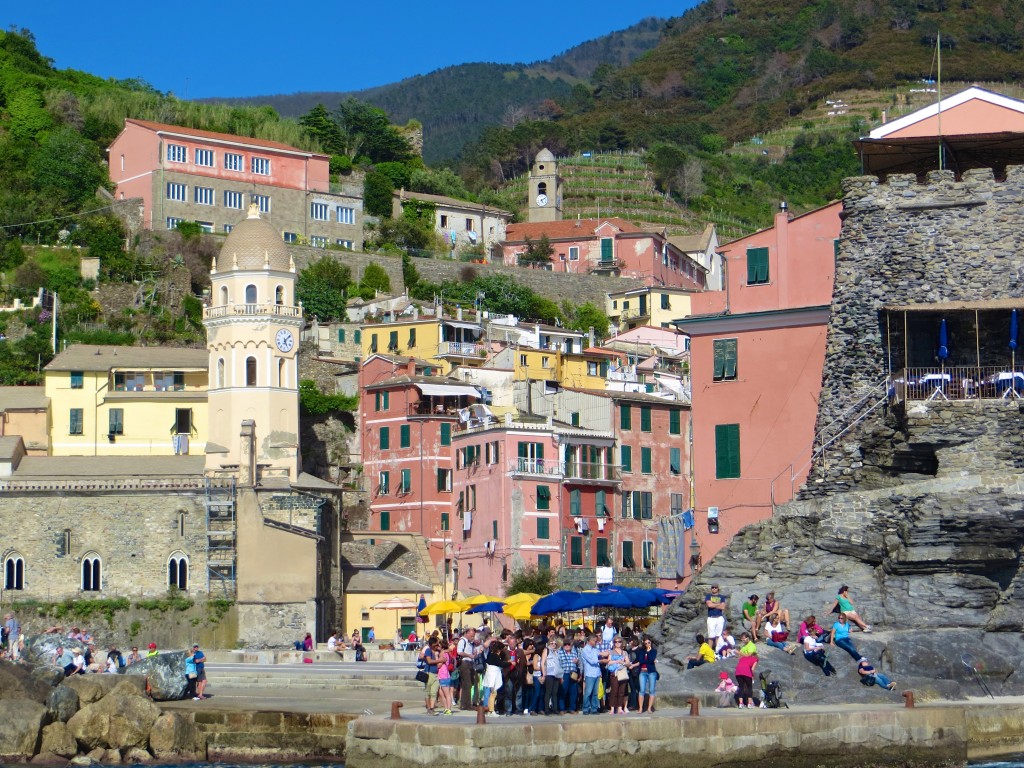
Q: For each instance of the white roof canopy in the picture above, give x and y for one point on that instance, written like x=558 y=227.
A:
x=448 y=390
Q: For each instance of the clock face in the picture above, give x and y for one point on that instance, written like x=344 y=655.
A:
x=542 y=200
x=285 y=340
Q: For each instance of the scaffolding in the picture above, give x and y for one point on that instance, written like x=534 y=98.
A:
x=221 y=545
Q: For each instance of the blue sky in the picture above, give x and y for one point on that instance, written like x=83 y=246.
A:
x=228 y=48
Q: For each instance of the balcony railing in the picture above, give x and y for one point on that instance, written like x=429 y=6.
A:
x=958 y=383
x=460 y=348
x=434 y=409
x=234 y=310
x=604 y=265
x=593 y=471
x=542 y=467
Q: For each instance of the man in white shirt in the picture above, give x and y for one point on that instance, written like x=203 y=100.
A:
x=334 y=644
x=608 y=631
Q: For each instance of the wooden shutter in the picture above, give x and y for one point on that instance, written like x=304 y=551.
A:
x=757 y=266
x=727 y=450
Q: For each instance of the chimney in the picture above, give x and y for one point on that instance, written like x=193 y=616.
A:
x=458 y=313
x=247 y=455
x=590 y=336
x=410 y=367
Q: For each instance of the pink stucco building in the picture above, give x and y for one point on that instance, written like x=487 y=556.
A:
x=756 y=356
x=610 y=246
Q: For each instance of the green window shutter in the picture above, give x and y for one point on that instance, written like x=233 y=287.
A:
x=494 y=529
x=405 y=436
x=406 y=480
x=341 y=335
x=385 y=482
x=625 y=418
x=576 y=550
x=386 y=400
x=726 y=355
x=544 y=562
x=441 y=482
x=393 y=341
x=543 y=497
x=607 y=249
x=675 y=461
x=645 y=418
x=636 y=505
x=600 y=504
x=627 y=555
x=646 y=505
x=543 y=528
x=385 y=438
x=385 y=521
x=412 y=338
x=665 y=301
x=575 y=502
x=77 y=379
x=574 y=418
x=540 y=451
x=626 y=458
x=376 y=401
x=445 y=521
x=757 y=266
x=602 y=552
x=446 y=433
x=727 y=451
x=674 y=420
x=357 y=336
x=603 y=369
x=645 y=461
x=373 y=342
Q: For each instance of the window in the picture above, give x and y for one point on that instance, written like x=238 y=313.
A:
x=182 y=421
x=128 y=381
x=645 y=418
x=233 y=162
x=385 y=521
x=446 y=434
x=544 y=562
x=446 y=524
x=601 y=504
x=204 y=157
x=92 y=573
x=607 y=250
x=603 y=560
x=575 y=502
x=543 y=497
x=318 y=211
x=544 y=361
x=346 y=244
x=177 y=571
x=250 y=371
x=373 y=342
x=727 y=451
x=75 y=421
x=279 y=295
x=531 y=457
x=647 y=548
x=494 y=529
x=115 y=422
x=675 y=461
x=233 y=199
x=757 y=266
x=220 y=372
x=357 y=336
x=469 y=225
x=176 y=191
x=77 y=379
x=384 y=483
x=383 y=401
x=666 y=301
x=262 y=203
x=543 y=528
x=444 y=221
x=625 y=418
x=675 y=504
x=405 y=436
x=341 y=335
x=674 y=423
x=14 y=572
x=393 y=341
x=626 y=457
x=346 y=215
x=202 y=195
x=574 y=253
x=412 y=338
x=522 y=360
x=493 y=452
x=385 y=438
x=291 y=237
x=444 y=480
x=176 y=153
x=318 y=241
x=725 y=351
x=406 y=482
x=575 y=550
x=173 y=222
x=574 y=418
x=627 y=555
x=646 y=505
x=261 y=166
x=645 y=461
x=206 y=226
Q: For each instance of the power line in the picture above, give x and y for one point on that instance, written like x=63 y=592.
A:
x=61 y=218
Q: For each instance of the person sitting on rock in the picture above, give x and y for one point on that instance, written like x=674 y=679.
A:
x=810 y=626
x=64 y=659
x=844 y=605
x=746 y=646
x=725 y=646
x=152 y=651
x=814 y=652
x=773 y=610
x=776 y=634
x=336 y=644
x=704 y=654
x=840 y=637
x=869 y=676
x=751 y=615
x=78 y=666
x=133 y=656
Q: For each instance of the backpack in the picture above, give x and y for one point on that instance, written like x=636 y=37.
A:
x=480 y=663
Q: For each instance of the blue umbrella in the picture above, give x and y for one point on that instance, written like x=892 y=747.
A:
x=556 y=602
x=419 y=607
x=943 y=352
x=603 y=600
x=492 y=607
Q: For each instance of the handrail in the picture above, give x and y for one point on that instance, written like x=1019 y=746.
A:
x=225 y=310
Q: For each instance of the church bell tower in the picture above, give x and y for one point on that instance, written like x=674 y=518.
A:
x=545 y=189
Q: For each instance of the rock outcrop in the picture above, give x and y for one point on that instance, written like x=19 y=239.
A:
x=120 y=720
x=21 y=721
x=164 y=675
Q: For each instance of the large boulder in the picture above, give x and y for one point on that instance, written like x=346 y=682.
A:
x=21 y=722
x=40 y=649
x=164 y=675
x=63 y=702
x=93 y=687
x=57 y=740
x=120 y=720
x=175 y=736
x=18 y=682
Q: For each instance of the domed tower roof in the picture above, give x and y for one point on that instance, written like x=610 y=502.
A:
x=544 y=156
x=254 y=244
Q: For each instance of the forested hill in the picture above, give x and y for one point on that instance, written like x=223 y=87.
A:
x=456 y=103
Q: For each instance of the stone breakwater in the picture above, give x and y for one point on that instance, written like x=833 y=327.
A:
x=925 y=736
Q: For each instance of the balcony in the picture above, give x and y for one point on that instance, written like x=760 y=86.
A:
x=588 y=472
x=605 y=265
x=251 y=310
x=459 y=349
x=535 y=467
x=576 y=578
x=958 y=383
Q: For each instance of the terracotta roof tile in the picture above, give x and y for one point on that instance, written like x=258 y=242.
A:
x=215 y=136
x=565 y=230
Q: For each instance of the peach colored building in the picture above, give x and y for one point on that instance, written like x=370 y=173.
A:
x=25 y=411
x=184 y=174
x=610 y=246
x=756 y=356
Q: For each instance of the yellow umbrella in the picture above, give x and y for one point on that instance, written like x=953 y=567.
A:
x=522 y=597
x=443 y=606
x=520 y=611
x=469 y=602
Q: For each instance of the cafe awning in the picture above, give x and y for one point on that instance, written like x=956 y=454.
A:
x=448 y=390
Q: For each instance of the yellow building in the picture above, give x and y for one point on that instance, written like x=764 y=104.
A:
x=582 y=370
x=449 y=342
x=657 y=307
x=127 y=401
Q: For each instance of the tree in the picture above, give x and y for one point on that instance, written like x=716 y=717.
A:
x=324 y=129
x=370 y=128
x=537 y=253
x=322 y=288
x=410 y=275
x=378 y=190
x=66 y=169
x=586 y=316
x=12 y=256
x=539 y=581
x=374 y=279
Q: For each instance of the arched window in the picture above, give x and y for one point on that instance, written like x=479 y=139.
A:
x=220 y=373
x=279 y=295
x=14 y=571
x=250 y=294
x=92 y=573
x=223 y=295
x=250 y=371
x=177 y=571
x=280 y=372
x=542 y=188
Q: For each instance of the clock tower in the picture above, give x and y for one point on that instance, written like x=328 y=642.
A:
x=252 y=335
x=545 y=189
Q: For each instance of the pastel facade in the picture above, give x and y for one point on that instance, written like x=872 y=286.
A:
x=654 y=306
x=25 y=411
x=460 y=223
x=446 y=341
x=183 y=174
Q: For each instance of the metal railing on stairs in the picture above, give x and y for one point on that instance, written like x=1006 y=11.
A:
x=221 y=552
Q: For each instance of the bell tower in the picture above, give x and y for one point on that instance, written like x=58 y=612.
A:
x=544 y=189
x=252 y=335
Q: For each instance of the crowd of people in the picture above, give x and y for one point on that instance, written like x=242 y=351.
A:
x=550 y=670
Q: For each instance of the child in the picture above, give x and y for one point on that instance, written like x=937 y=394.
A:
x=725 y=690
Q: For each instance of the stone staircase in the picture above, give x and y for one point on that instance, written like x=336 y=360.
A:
x=399 y=683
x=272 y=737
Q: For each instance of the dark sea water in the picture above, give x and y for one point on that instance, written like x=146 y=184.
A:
x=1012 y=761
